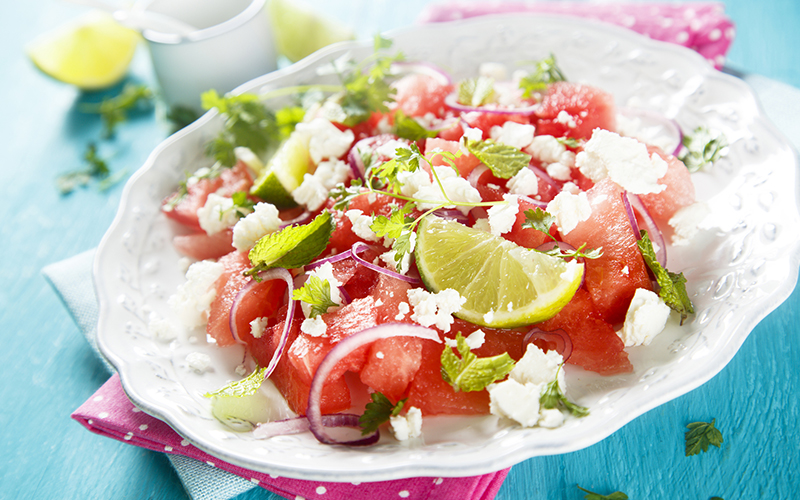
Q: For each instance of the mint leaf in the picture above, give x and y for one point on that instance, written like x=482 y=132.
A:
x=545 y=73
x=240 y=388
x=476 y=91
x=471 y=373
x=293 y=246
x=504 y=161
x=590 y=495
x=378 y=411
x=316 y=292
x=248 y=123
x=553 y=397
x=536 y=218
x=700 y=435
x=241 y=203
x=409 y=128
x=703 y=147
x=672 y=286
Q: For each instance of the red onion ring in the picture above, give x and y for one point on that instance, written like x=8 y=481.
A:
x=631 y=216
x=452 y=101
x=297 y=425
x=558 y=338
x=359 y=247
x=339 y=351
x=546 y=178
x=300 y=219
x=270 y=274
x=452 y=214
x=425 y=68
x=654 y=119
x=475 y=175
x=356 y=163
x=333 y=258
x=655 y=234
x=537 y=203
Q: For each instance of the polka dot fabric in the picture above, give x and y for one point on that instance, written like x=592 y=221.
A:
x=700 y=26
x=110 y=413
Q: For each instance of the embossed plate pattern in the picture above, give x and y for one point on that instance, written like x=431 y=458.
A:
x=738 y=271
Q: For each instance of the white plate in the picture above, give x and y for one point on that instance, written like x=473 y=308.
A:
x=737 y=273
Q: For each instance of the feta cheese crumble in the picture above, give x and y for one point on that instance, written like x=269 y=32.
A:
x=194 y=297
x=503 y=216
x=361 y=225
x=474 y=340
x=313 y=192
x=407 y=426
x=647 y=315
x=569 y=210
x=315 y=327
x=687 y=222
x=217 y=214
x=435 y=309
x=324 y=272
x=458 y=189
x=546 y=149
x=525 y=182
x=198 y=361
x=258 y=326
x=248 y=230
x=516 y=135
x=325 y=140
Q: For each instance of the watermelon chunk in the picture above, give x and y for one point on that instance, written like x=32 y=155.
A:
x=418 y=94
x=679 y=192
x=585 y=109
x=228 y=286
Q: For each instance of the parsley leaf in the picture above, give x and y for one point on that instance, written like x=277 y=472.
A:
x=96 y=168
x=409 y=128
x=554 y=397
x=316 y=292
x=471 y=373
x=241 y=203
x=590 y=495
x=546 y=72
x=393 y=226
x=703 y=147
x=343 y=195
x=672 y=286
x=504 y=161
x=241 y=388
x=406 y=160
x=476 y=91
x=536 y=218
x=293 y=246
x=114 y=110
x=378 y=411
x=700 y=435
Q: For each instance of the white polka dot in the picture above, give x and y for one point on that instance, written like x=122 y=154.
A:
x=184 y=442
x=628 y=21
x=274 y=476
x=135 y=410
x=682 y=37
x=666 y=22
x=210 y=463
x=321 y=490
x=97 y=398
x=90 y=421
x=355 y=484
x=715 y=35
x=254 y=480
x=730 y=33
x=128 y=436
x=720 y=60
x=438 y=481
x=298 y=497
x=404 y=494
x=168 y=448
x=689 y=13
x=143 y=427
x=695 y=24
x=103 y=415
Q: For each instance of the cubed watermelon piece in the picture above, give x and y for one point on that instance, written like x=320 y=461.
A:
x=418 y=94
x=585 y=109
x=228 y=286
x=679 y=192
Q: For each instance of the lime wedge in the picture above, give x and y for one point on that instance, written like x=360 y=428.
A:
x=299 y=31
x=92 y=53
x=283 y=173
x=505 y=285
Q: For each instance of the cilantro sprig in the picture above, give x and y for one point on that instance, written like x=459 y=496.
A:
x=545 y=73
x=554 y=397
x=700 y=436
x=379 y=411
x=469 y=372
x=316 y=292
x=703 y=147
x=409 y=128
x=672 y=286
x=114 y=110
x=293 y=246
x=541 y=220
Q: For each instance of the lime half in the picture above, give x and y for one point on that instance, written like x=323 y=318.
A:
x=284 y=173
x=92 y=53
x=505 y=285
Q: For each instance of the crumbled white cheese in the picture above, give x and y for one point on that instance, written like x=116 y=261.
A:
x=361 y=225
x=193 y=298
x=248 y=230
x=332 y=172
x=162 y=329
x=687 y=221
x=494 y=70
x=315 y=327
x=325 y=140
x=413 y=181
x=559 y=171
x=258 y=326
x=389 y=149
x=405 y=263
x=622 y=159
x=525 y=182
x=435 y=309
x=408 y=426
x=516 y=135
x=565 y=118
x=469 y=133
x=571 y=187
x=488 y=317
x=647 y=315
x=503 y=216
x=402 y=309
x=550 y=418
x=217 y=214
x=546 y=149
x=457 y=188
x=474 y=340
x=198 y=361
x=569 y=210
x=311 y=193
x=519 y=402
x=538 y=367
x=482 y=225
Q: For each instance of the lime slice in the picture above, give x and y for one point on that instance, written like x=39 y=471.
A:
x=299 y=31
x=91 y=53
x=505 y=285
x=283 y=173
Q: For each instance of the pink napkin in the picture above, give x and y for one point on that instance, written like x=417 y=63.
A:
x=701 y=26
x=109 y=413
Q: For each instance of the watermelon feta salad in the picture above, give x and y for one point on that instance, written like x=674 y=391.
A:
x=361 y=244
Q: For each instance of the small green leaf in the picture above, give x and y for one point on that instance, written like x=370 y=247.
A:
x=545 y=73
x=378 y=412
x=248 y=123
x=672 y=286
x=700 y=435
x=343 y=195
x=405 y=160
x=504 y=161
x=476 y=91
x=703 y=147
x=114 y=110
x=553 y=397
x=536 y=218
x=471 y=373
x=293 y=246
x=590 y=495
x=316 y=292
x=240 y=388
x=409 y=128
x=398 y=221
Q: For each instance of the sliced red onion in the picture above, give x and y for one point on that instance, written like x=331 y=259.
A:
x=537 y=203
x=333 y=258
x=452 y=101
x=359 y=247
x=300 y=219
x=345 y=296
x=631 y=216
x=655 y=234
x=425 y=68
x=452 y=214
x=475 y=175
x=546 y=178
x=270 y=274
x=339 y=352
x=356 y=163
x=557 y=339
x=656 y=129
x=297 y=425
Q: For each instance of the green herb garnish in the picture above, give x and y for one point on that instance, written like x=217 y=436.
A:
x=476 y=92
x=469 y=372
x=590 y=495
x=703 y=147
x=114 y=110
x=241 y=388
x=700 y=435
x=554 y=397
x=316 y=292
x=96 y=168
x=672 y=286
x=504 y=161
x=409 y=128
x=377 y=412
x=545 y=73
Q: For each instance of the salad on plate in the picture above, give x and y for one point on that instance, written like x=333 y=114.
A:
x=402 y=245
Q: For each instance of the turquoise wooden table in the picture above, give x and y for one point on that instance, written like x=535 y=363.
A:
x=48 y=369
